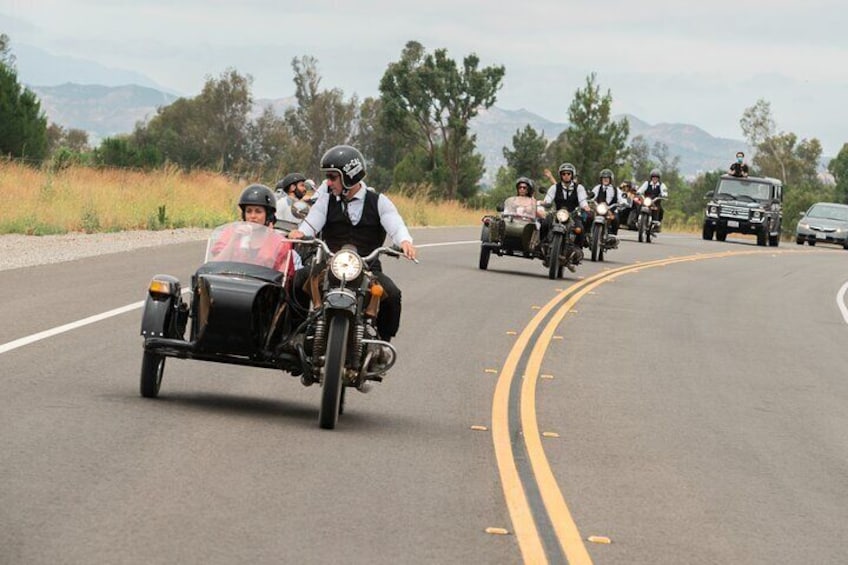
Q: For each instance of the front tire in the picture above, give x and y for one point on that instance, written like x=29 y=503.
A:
x=762 y=236
x=642 y=227
x=152 y=369
x=485 y=252
x=334 y=366
x=597 y=246
x=708 y=232
x=554 y=269
x=774 y=240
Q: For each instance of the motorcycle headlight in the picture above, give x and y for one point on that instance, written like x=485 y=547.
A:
x=346 y=265
x=648 y=201
x=562 y=215
x=603 y=209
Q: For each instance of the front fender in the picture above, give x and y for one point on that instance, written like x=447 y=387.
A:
x=160 y=317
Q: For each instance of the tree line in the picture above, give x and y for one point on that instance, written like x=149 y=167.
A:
x=415 y=136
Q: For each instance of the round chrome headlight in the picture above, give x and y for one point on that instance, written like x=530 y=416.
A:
x=603 y=209
x=346 y=265
x=562 y=215
x=648 y=201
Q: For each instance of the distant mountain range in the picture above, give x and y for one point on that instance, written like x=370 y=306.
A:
x=105 y=111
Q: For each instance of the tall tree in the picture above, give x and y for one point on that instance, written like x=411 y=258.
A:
x=209 y=130
x=430 y=98
x=760 y=130
x=527 y=155
x=322 y=118
x=596 y=141
x=23 y=125
x=838 y=167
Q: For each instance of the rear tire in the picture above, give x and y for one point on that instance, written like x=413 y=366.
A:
x=800 y=240
x=334 y=366
x=152 y=369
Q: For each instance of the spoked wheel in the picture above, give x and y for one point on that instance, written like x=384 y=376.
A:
x=554 y=268
x=597 y=245
x=649 y=228
x=642 y=227
x=152 y=369
x=601 y=249
x=331 y=388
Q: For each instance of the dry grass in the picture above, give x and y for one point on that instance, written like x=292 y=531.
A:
x=82 y=199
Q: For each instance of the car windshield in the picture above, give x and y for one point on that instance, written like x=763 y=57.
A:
x=250 y=243
x=734 y=189
x=829 y=211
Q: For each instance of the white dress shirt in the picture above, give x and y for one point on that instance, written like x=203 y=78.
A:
x=390 y=218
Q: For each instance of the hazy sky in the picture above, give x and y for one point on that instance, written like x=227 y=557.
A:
x=663 y=61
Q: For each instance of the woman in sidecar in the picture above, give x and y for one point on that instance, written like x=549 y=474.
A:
x=239 y=307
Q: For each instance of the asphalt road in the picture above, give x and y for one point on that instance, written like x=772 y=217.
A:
x=692 y=412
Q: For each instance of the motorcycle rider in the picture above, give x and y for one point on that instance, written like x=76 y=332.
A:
x=351 y=214
x=259 y=205
x=569 y=195
x=605 y=191
x=653 y=188
x=289 y=190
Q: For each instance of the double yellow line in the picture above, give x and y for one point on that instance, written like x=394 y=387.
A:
x=523 y=521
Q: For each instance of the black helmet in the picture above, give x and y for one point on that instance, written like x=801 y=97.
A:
x=259 y=195
x=347 y=161
x=655 y=173
x=530 y=185
x=288 y=180
x=607 y=173
x=567 y=167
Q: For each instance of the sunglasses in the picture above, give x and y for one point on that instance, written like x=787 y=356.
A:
x=333 y=176
x=565 y=173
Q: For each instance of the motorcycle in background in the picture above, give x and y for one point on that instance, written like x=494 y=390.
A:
x=600 y=240
x=646 y=224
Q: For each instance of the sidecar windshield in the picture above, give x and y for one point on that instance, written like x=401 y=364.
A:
x=521 y=206
x=249 y=243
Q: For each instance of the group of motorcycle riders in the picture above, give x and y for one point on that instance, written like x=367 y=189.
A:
x=345 y=211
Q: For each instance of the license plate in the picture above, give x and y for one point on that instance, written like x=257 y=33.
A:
x=820 y=235
x=732 y=224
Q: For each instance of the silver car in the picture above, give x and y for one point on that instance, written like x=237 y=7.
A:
x=825 y=222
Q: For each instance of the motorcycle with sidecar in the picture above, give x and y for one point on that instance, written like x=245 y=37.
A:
x=241 y=309
x=517 y=233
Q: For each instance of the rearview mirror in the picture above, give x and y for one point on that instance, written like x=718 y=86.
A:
x=300 y=209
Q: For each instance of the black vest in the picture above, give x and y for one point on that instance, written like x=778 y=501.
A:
x=566 y=198
x=367 y=235
x=602 y=194
x=652 y=191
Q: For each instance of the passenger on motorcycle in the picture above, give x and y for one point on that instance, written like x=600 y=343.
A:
x=351 y=214
x=258 y=205
x=289 y=190
x=605 y=191
x=523 y=204
x=569 y=195
x=653 y=188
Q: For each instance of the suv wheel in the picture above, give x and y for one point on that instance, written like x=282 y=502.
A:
x=762 y=235
x=709 y=230
x=721 y=235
